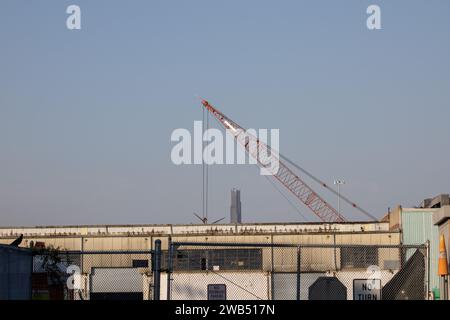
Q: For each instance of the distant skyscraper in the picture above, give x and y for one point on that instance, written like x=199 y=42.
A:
x=235 y=209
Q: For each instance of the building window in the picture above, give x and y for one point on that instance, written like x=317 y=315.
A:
x=140 y=263
x=358 y=257
x=221 y=259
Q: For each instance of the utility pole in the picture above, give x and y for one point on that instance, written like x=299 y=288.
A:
x=338 y=183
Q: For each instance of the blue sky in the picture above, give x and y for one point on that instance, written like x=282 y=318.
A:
x=86 y=116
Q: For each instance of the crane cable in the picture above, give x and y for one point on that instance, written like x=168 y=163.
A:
x=203 y=169
x=323 y=184
x=205 y=177
x=207 y=170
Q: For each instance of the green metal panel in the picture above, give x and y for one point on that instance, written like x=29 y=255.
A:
x=417 y=228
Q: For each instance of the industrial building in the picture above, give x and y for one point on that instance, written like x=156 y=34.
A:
x=422 y=224
x=415 y=226
x=441 y=219
x=142 y=237
x=343 y=251
x=250 y=260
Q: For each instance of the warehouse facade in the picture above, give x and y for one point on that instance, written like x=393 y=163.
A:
x=253 y=261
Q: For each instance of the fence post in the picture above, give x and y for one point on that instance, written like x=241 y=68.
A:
x=157 y=270
x=272 y=273
x=31 y=275
x=427 y=266
x=169 y=268
x=298 y=271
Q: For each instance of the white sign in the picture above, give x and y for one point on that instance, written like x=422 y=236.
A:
x=217 y=292
x=366 y=289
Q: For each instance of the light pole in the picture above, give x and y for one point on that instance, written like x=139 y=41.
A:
x=338 y=183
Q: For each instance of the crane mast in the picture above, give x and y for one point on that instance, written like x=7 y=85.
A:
x=260 y=152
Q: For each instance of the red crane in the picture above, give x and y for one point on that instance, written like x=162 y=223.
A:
x=260 y=152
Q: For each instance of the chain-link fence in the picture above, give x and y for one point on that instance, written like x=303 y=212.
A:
x=231 y=271
x=94 y=275
x=198 y=271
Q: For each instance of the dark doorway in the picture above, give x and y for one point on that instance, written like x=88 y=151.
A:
x=327 y=288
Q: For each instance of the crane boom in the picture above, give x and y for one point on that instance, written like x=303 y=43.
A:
x=259 y=151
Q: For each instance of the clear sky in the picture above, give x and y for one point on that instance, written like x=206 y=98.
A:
x=86 y=115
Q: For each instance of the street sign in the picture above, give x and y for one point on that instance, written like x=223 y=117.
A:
x=217 y=292
x=367 y=289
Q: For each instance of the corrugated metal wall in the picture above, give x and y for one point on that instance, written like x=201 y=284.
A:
x=417 y=228
x=15 y=273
